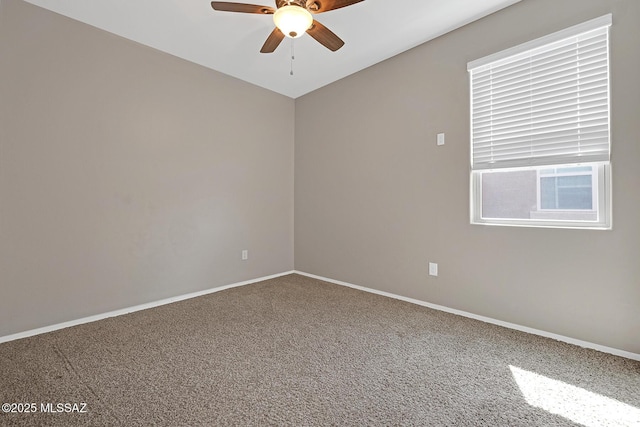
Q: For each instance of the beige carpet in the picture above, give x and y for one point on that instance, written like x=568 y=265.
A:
x=297 y=351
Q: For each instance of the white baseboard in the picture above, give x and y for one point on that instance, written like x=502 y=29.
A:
x=127 y=310
x=586 y=344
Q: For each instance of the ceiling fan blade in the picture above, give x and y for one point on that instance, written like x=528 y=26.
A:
x=324 y=36
x=273 y=41
x=319 y=6
x=225 y=6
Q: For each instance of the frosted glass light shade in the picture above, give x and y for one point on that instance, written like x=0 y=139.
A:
x=293 y=21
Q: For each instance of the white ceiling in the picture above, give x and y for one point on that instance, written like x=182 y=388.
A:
x=373 y=30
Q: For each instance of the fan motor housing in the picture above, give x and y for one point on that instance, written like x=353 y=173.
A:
x=301 y=3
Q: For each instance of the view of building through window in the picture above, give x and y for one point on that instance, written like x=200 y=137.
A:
x=570 y=188
x=545 y=193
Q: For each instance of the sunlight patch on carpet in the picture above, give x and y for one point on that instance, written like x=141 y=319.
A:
x=574 y=403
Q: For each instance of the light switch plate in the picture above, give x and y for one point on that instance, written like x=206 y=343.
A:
x=433 y=269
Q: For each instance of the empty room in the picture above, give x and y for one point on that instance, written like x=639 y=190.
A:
x=320 y=212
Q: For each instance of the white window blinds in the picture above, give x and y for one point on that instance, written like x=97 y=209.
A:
x=544 y=102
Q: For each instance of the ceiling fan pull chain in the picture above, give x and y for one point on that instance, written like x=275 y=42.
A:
x=292 y=57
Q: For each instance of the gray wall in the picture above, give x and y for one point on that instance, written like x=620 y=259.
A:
x=128 y=175
x=376 y=199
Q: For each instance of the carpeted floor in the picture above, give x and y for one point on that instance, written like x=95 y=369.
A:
x=297 y=351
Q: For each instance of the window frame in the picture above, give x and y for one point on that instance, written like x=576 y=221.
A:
x=604 y=214
x=601 y=178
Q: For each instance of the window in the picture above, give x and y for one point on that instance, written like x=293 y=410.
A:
x=540 y=145
x=569 y=188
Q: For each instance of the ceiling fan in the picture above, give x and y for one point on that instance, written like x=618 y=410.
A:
x=292 y=18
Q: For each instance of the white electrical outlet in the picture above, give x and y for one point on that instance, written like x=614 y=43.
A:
x=245 y=255
x=440 y=139
x=433 y=269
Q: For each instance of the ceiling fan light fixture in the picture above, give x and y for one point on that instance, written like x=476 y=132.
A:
x=293 y=21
